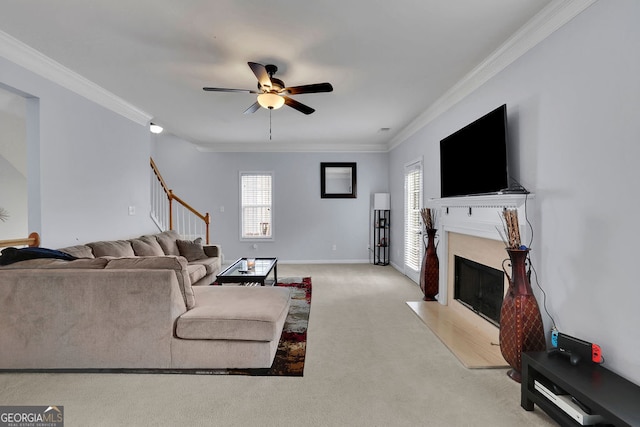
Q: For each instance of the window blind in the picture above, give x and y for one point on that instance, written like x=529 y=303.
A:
x=413 y=235
x=256 y=205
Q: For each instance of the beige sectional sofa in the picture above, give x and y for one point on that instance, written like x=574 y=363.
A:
x=109 y=311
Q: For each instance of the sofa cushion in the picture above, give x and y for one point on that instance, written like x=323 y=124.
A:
x=191 y=250
x=83 y=263
x=146 y=246
x=78 y=251
x=235 y=313
x=177 y=264
x=213 y=265
x=196 y=272
x=167 y=240
x=114 y=248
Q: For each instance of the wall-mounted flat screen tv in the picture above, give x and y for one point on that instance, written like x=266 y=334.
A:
x=473 y=160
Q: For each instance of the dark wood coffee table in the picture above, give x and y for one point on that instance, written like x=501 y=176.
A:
x=239 y=273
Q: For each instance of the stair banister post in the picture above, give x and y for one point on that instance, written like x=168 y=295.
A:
x=207 y=220
x=170 y=196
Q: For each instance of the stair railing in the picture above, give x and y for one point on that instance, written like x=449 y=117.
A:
x=179 y=216
x=32 y=241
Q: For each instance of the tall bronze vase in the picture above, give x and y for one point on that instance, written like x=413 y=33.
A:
x=521 y=326
x=430 y=273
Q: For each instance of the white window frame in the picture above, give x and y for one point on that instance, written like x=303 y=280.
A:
x=256 y=237
x=412 y=224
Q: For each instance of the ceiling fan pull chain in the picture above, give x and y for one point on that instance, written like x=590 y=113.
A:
x=270 y=109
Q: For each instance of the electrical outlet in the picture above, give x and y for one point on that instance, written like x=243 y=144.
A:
x=334 y=247
x=132 y=210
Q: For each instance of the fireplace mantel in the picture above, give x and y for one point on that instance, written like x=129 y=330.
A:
x=479 y=216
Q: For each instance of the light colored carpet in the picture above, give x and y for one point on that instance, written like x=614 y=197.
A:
x=370 y=362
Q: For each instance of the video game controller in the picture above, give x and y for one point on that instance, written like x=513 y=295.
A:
x=554 y=339
x=596 y=353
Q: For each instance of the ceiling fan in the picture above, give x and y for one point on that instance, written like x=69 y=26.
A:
x=272 y=93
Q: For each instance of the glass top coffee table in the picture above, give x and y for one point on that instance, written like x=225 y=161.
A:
x=241 y=272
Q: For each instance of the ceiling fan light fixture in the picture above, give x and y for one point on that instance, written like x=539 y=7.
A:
x=154 y=128
x=270 y=101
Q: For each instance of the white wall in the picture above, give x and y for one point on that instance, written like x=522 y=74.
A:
x=86 y=165
x=305 y=226
x=574 y=108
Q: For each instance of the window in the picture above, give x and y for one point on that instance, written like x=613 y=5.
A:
x=256 y=214
x=412 y=229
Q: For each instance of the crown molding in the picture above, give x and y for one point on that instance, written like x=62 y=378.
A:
x=34 y=61
x=546 y=22
x=551 y=18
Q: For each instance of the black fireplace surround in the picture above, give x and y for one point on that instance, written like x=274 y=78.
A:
x=479 y=287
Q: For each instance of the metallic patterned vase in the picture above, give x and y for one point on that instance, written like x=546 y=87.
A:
x=521 y=327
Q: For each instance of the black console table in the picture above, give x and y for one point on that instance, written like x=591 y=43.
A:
x=616 y=399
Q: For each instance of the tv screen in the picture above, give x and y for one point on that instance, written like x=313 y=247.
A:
x=473 y=160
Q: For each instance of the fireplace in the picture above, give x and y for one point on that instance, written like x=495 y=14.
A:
x=468 y=227
x=479 y=287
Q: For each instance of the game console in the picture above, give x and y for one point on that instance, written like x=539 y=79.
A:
x=575 y=349
x=568 y=404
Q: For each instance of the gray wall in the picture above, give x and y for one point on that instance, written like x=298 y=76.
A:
x=86 y=164
x=305 y=226
x=13 y=165
x=573 y=104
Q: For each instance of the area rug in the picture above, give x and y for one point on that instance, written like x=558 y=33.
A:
x=292 y=349
x=289 y=358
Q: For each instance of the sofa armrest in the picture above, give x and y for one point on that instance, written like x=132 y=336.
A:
x=88 y=318
x=212 y=251
x=168 y=262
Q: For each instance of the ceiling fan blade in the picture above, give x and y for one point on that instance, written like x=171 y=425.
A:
x=254 y=107
x=314 y=88
x=222 y=89
x=261 y=74
x=298 y=106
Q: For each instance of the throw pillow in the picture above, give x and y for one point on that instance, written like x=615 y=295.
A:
x=167 y=240
x=146 y=246
x=192 y=251
x=80 y=251
x=115 y=248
